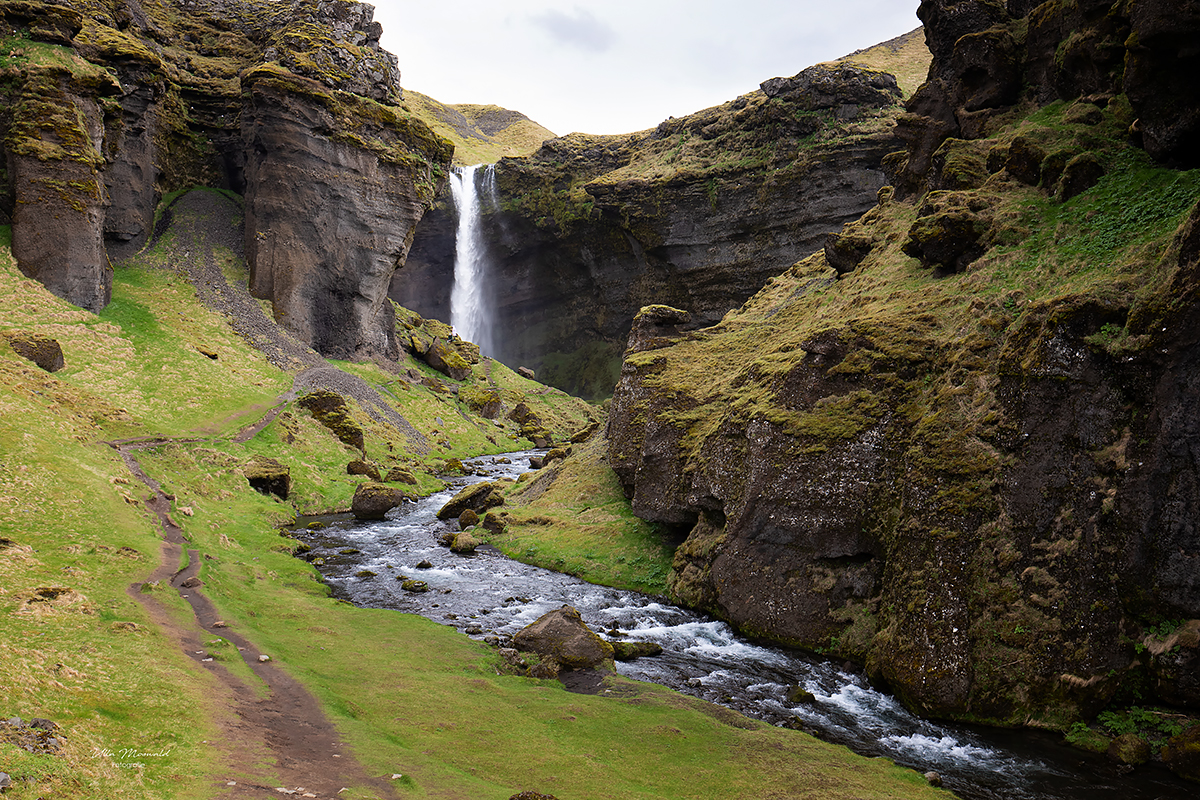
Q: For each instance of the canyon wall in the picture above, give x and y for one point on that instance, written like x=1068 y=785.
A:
x=697 y=212
x=958 y=445
x=111 y=106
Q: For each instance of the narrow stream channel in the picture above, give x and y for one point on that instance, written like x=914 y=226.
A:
x=487 y=594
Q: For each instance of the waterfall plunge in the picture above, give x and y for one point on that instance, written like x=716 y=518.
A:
x=470 y=312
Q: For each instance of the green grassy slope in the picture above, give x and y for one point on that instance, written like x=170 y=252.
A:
x=75 y=533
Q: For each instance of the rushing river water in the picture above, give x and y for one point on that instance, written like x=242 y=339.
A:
x=487 y=594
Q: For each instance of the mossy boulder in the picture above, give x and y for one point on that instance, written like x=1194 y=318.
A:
x=41 y=350
x=360 y=467
x=268 y=476
x=1079 y=174
x=485 y=402
x=374 y=500
x=631 y=651
x=464 y=542
x=563 y=636
x=331 y=410
x=949 y=232
x=1129 y=748
x=446 y=359
x=400 y=475
x=1182 y=754
x=476 y=497
x=468 y=518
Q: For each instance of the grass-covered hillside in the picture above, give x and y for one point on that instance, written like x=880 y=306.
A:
x=151 y=611
x=482 y=134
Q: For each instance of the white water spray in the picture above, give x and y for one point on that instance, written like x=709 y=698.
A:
x=470 y=311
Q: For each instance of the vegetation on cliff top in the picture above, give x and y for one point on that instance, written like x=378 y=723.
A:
x=482 y=134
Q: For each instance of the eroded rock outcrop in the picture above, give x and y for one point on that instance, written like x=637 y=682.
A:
x=956 y=444
x=292 y=104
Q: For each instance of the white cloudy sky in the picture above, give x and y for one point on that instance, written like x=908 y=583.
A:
x=621 y=65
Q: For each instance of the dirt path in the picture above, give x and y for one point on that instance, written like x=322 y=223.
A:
x=281 y=744
x=287 y=728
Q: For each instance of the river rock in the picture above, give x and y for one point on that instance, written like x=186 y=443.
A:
x=1129 y=748
x=464 y=543
x=563 y=636
x=630 y=651
x=1182 y=754
x=468 y=518
x=477 y=497
x=268 y=476
x=374 y=500
x=41 y=350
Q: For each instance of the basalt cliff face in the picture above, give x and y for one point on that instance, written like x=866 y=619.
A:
x=112 y=104
x=697 y=212
x=958 y=445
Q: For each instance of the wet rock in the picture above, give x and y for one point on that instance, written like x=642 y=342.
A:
x=563 y=636
x=414 y=586
x=464 y=543
x=1129 y=748
x=365 y=573
x=630 y=651
x=374 y=500
x=423 y=564
x=798 y=694
x=477 y=497
x=41 y=350
x=468 y=518
x=268 y=476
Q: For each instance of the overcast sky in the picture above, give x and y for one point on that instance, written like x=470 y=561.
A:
x=621 y=65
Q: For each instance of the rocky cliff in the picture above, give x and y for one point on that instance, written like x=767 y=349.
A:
x=958 y=445
x=112 y=104
x=697 y=212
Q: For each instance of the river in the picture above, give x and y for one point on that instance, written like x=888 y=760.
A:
x=486 y=594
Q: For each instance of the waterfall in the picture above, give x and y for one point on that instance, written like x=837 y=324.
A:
x=470 y=311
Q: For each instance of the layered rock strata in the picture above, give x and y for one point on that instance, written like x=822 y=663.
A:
x=292 y=104
x=697 y=212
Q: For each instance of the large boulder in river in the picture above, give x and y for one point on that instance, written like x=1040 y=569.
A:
x=477 y=497
x=374 y=500
x=563 y=636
